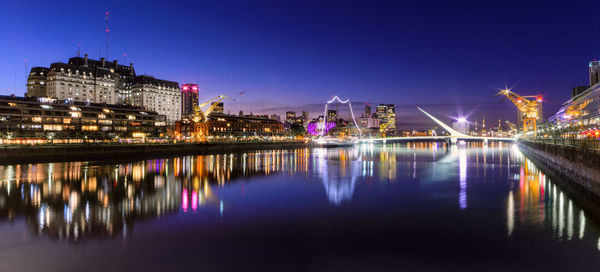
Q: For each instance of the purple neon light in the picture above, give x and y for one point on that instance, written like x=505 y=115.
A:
x=314 y=128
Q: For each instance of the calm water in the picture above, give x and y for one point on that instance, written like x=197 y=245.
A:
x=417 y=207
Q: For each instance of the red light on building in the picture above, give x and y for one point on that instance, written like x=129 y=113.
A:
x=195 y=88
x=185 y=88
x=539 y=98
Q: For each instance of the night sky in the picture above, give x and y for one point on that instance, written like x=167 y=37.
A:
x=447 y=56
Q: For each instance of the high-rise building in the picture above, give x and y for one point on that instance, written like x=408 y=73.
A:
x=368 y=122
x=305 y=115
x=189 y=99
x=367 y=110
x=275 y=117
x=594 y=72
x=290 y=117
x=332 y=116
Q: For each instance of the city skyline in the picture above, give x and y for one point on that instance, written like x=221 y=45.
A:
x=309 y=56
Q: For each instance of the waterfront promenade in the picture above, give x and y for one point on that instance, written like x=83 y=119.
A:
x=106 y=151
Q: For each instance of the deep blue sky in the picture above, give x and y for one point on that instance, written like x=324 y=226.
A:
x=291 y=54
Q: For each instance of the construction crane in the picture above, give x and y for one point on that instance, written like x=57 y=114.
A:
x=527 y=106
x=202 y=116
x=383 y=127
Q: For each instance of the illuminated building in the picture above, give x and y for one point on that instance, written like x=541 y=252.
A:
x=225 y=124
x=44 y=118
x=220 y=125
x=158 y=95
x=316 y=127
x=305 y=115
x=36 y=82
x=189 y=99
x=290 y=117
x=81 y=79
x=331 y=116
x=583 y=108
x=102 y=81
x=275 y=117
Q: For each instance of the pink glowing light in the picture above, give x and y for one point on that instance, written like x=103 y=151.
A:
x=184 y=200
x=194 y=200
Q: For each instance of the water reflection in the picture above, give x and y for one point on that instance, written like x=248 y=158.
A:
x=339 y=170
x=541 y=202
x=76 y=200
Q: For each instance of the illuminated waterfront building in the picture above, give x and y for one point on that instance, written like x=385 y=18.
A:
x=583 y=108
x=102 y=81
x=189 y=99
x=81 y=79
x=317 y=127
x=224 y=125
x=158 y=95
x=73 y=121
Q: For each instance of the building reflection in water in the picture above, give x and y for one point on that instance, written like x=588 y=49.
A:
x=338 y=169
x=536 y=201
x=77 y=200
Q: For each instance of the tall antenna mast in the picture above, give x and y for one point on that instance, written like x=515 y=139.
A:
x=78 y=49
x=106 y=20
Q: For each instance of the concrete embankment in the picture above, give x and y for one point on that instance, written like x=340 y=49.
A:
x=108 y=152
x=578 y=167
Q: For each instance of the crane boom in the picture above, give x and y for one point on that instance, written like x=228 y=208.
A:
x=527 y=106
x=200 y=115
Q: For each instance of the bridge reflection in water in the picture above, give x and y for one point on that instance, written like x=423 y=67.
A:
x=77 y=200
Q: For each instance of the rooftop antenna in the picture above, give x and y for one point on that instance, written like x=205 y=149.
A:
x=78 y=49
x=106 y=20
x=124 y=57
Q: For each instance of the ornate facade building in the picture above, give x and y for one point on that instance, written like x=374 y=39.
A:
x=101 y=81
x=154 y=94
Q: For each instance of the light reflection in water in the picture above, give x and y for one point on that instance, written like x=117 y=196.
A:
x=75 y=200
x=462 y=164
